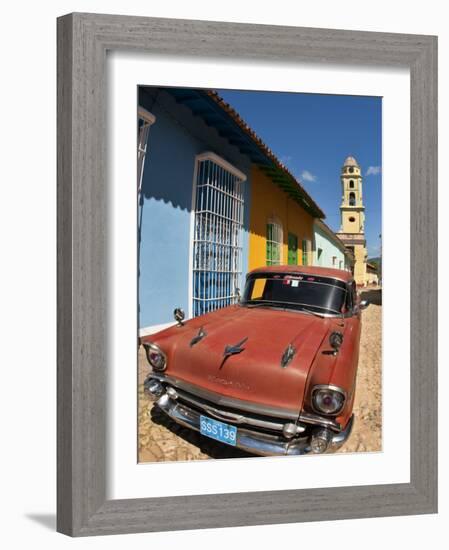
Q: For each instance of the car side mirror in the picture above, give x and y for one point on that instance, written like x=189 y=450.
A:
x=179 y=316
x=363 y=304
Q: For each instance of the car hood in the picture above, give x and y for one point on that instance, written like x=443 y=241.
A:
x=255 y=373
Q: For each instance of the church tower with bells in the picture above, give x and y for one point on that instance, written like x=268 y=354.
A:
x=352 y=230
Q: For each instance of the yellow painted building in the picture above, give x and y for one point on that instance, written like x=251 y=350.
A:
x=281 y=230
x=352 y=231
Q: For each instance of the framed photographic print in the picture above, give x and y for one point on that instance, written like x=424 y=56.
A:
x=237 y=204
x=263 y=369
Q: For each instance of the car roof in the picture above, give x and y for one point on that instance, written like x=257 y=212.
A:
x=339 y=274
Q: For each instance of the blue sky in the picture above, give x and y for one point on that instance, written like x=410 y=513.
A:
x=312 y=134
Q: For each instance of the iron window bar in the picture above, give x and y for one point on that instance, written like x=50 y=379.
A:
x=217 y=247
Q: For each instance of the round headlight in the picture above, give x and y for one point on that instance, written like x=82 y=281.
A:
x=156 y=357
x=328 y=400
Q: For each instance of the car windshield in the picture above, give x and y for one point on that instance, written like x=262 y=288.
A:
x=310 y=293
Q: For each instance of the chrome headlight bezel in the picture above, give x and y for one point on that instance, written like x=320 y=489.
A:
x=151 y=348
x=334 y=391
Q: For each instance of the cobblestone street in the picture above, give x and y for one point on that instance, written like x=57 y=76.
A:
x=161 y=439
x=367 y=431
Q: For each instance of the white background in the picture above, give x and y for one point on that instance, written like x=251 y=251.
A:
x=27 y=215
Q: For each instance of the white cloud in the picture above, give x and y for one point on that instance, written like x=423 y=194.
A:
x=307 y=176
x=373 y=171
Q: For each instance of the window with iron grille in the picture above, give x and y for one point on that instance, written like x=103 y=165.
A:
x=217 y=234
x=274 y=242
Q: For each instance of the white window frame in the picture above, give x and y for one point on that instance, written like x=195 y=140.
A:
x=278 y=241
x=142 y=143
x=216 y=234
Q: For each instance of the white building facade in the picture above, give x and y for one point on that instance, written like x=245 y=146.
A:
x=328 y=250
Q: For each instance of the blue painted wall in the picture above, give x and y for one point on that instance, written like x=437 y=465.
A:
x=166 y=201
x=329 y=249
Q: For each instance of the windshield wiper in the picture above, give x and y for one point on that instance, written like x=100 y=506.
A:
x=260 y=304
x=310 y=312
x=326 y=309
x=284 y=306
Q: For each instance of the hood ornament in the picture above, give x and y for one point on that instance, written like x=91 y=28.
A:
x=336 y=340
x=235 y=349
x=201 y=334
x=288 y=355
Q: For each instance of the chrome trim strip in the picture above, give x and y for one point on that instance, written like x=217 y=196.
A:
x=330 y=387
x=317 y=420
x=218 y=399
x=226 y=416
x=339 y=439
x=252 y=442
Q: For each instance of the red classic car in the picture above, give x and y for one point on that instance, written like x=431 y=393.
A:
x=274 y=374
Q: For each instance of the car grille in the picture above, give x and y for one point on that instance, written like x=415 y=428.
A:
x=262 y=423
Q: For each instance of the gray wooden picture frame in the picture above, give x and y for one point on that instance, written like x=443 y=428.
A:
x=83 y=40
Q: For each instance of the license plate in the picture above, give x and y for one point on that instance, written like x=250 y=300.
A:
x=218 y=430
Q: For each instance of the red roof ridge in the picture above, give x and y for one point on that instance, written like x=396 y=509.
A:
x=262 y=145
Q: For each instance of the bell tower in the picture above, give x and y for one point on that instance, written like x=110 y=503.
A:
x=352 y=230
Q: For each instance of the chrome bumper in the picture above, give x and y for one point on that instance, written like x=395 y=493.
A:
x=257 y=443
